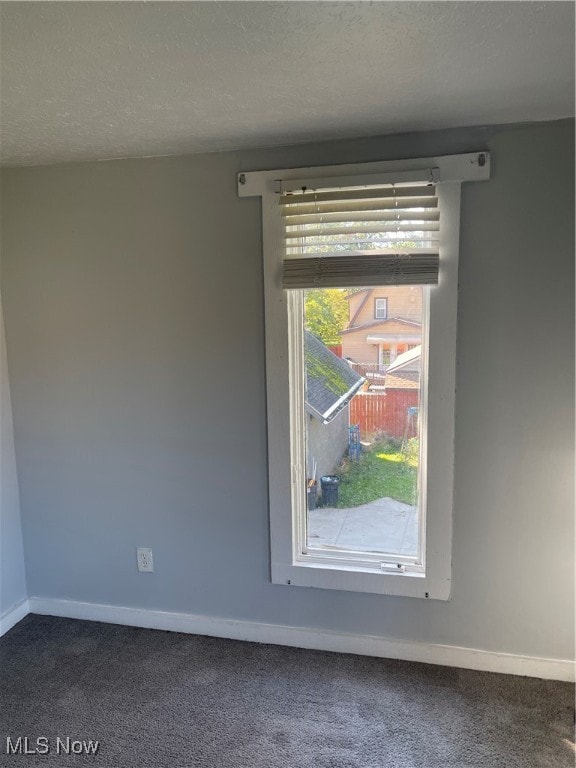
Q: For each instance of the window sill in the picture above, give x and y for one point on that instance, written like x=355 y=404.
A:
x=356 y=579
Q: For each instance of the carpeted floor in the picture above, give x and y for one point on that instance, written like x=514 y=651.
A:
x=165 y=700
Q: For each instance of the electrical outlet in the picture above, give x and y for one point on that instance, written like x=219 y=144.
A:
x=145 y=561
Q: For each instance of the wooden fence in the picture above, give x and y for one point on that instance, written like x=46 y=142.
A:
x=383 y=412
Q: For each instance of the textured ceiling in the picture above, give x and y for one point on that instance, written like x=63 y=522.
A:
x=85 y=80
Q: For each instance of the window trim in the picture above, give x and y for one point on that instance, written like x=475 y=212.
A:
x=284 y=466
x=376 y=315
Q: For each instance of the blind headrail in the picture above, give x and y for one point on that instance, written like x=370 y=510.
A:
x=422 y=175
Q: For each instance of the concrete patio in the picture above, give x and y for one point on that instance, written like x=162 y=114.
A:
x=384 y=525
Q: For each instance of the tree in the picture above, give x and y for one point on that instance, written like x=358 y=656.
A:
x=326 y=313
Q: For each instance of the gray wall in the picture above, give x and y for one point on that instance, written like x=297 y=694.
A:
x=135 y=329
x=12 y=571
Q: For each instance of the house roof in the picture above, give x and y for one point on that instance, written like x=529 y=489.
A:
x=382 y=323
x=402 y=380
x=405 y=359
x=368 y=293
x=330 y=381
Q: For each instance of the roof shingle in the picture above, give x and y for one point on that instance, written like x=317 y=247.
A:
x=329 y=380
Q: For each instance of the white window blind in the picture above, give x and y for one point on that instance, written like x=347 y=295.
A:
x=361 y=236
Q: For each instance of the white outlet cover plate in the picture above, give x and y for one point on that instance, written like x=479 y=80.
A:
x=145 y=560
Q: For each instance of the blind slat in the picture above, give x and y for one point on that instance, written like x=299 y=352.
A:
x=389 y=229
x=358 y=247
x=358 y=216
x=370 y=205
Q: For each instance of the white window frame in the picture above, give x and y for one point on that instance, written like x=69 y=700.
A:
x=376 y=310
x=290 y=564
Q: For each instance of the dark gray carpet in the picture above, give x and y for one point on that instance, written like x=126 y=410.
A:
x=164 y=700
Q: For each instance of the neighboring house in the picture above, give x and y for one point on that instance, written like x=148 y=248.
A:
x=330 y=385
x=384 y=323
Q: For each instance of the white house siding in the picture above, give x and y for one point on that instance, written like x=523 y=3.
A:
x=327 y=443
x=356 y=346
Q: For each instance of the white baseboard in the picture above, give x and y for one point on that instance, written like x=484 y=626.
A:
x=302 y=637
x=12 y=616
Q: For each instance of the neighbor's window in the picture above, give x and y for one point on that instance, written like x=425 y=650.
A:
x=380 y=309
x=385 y=356
x=361 y=416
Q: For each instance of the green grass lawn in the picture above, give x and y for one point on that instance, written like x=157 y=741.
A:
x=381 y=471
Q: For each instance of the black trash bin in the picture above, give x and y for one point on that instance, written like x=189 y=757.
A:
x=329 y=485
x=311 y=492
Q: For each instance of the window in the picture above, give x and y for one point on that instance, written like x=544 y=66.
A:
x=340 y=229
x=380 y=309
x=385 y=355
